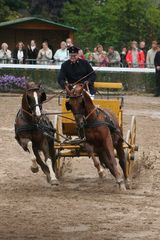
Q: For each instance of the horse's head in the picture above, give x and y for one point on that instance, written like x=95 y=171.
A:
x=75 y=102
x=33 y=99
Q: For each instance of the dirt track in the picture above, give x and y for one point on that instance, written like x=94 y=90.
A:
x=82 y=207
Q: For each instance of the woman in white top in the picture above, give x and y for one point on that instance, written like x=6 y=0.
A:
x=45 y=54
x=5 y=53
x=61 y=54
x=20 y=53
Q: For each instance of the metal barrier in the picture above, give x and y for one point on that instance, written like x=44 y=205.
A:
x=57 y=67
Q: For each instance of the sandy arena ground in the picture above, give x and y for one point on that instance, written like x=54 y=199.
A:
x=82 y=206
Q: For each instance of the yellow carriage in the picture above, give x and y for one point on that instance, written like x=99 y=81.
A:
x=67 y=131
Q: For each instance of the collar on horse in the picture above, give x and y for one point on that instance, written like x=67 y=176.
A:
x=43 y=126
x=98 y=123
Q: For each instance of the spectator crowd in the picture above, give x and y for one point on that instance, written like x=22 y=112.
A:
x=136 y=56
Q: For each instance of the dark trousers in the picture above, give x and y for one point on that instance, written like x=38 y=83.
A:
x=92 y=89
x=158 y=83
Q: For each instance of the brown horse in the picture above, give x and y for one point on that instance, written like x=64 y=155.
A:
x=35 y=133
x=100 y=130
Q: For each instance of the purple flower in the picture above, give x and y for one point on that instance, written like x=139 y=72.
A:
x=13 y=81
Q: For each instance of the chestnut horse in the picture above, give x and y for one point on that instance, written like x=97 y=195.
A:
x=100 y=130
x=35 y=133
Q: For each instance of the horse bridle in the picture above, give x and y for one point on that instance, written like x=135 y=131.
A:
x=31 y=107
x=69 y=105
x=82 y=113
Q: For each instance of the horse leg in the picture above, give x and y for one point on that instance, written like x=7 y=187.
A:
x=122 y=162
x=121 y=156
x=96 y=161
x=34 y=166
x=49 y=163
x=26 y=144
x=112 y=164
x=41 y=163
x=102 y=157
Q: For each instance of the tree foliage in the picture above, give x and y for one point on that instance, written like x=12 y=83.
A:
x=11 y=9
x=113 y=22
x=109 y=22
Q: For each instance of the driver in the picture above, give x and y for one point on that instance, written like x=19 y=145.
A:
x=74 y=69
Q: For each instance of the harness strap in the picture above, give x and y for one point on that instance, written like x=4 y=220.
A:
x=26 y=128
x=30 y=114
x=98 y=123
x=90 y=113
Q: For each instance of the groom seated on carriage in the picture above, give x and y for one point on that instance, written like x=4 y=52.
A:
x=76 y=70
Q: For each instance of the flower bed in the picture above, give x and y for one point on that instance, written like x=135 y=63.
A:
x=11 y=83
x=135 y=82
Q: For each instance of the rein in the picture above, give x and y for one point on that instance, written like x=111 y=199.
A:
x=53 y=96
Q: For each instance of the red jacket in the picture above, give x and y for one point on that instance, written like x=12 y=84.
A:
x=140 y=58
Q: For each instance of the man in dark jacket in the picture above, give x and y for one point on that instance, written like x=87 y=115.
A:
x=74 y=69
x=157 y=67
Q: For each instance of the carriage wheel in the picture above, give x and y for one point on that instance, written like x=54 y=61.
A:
x=127 y=154
x=133 y=131
x=57 y=166
x=130 y=152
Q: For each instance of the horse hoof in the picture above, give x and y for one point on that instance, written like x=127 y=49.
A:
x=101 y=174
x=35 y=170
x=128 y=184
x=122 y=187
x=54 y=182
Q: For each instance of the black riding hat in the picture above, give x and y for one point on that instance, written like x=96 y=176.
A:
x=73 y=49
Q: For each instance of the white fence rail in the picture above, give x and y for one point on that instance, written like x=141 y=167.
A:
x=97 y=69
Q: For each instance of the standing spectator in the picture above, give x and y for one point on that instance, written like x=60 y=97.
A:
x=49 y=45
x=142 y=46
x=81 y=54
x=45 y=54
x=113 y=57
x=100 y=57
x=5 y=53
x=151 y=55
x=69 y=43
x=61 y=54
x=135 y=57
x=123 y=57
x=32 y=52
x=95 y=50
x=20 y=53
x=157 y=67
x=88 y=55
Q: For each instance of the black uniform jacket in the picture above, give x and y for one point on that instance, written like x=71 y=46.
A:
x=157 y=59
x=72 y=72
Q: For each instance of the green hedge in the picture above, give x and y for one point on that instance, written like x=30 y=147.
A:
x=136 y=82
